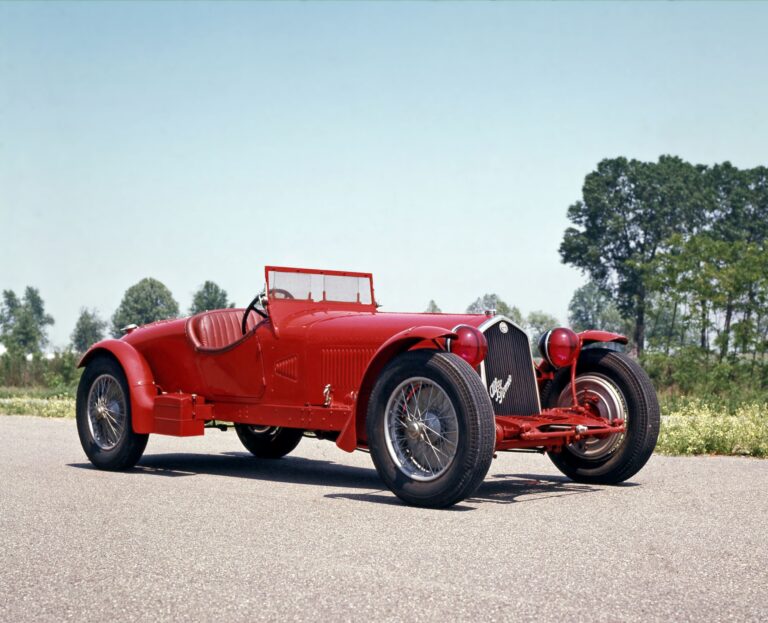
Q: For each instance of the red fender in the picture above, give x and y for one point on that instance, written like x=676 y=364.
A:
x=593 y=335
x=398 y=343
x=141 y=383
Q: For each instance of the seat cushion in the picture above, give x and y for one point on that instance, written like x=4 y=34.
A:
x=216 y=330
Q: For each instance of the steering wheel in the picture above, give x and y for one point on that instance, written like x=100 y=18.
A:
x=283 y=294
x=261 y=298
x=252 y=307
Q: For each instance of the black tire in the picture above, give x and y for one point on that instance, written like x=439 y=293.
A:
x=106 y=430
x=269 y=442
x=464 y=433
x=620 y=457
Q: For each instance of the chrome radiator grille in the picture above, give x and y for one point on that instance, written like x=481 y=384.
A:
x=508 y=369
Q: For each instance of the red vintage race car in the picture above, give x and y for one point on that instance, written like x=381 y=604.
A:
x=431 y=396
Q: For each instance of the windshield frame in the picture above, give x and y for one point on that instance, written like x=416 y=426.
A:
x=269 y=270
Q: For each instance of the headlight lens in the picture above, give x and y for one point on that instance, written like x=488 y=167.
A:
x=560 y=347
x=470 y=344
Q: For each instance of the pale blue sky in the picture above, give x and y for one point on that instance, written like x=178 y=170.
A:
x=437 y=145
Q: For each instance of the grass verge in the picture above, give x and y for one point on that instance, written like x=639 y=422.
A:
x=696 y=427
x=53 y=406
x=39 y=401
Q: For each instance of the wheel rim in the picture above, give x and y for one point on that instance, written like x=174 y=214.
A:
x=607 y=400
x=264 y=430
x=107 y=411
x=421 y=429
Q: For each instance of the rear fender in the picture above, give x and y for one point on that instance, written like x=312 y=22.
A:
x=398 y=343
x=141 y=384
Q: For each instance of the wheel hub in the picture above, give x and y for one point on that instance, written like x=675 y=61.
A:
x=603 y=399
x=414 y=429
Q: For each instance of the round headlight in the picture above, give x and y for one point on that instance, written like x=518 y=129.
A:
x=470 y=344
x=560 y=347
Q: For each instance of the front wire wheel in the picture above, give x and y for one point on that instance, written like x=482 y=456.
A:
x=422 y=429
x=431 y=428
x=614 y=387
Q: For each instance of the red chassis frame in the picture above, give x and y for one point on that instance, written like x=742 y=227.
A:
x=177 y=390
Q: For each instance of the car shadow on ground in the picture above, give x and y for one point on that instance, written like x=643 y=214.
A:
x=496 y=489
x=516 y=488
x=243 y=465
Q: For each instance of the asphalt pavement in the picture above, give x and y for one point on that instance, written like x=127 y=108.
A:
x=201 y=531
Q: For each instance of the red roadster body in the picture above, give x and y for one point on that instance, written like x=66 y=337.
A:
x=431 y=395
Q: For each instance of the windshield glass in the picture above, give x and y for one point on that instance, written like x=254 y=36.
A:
x=319 y=286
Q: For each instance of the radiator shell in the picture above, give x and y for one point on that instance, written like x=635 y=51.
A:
x=509 y=366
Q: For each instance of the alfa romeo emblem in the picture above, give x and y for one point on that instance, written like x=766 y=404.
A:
x=503 y=327
x=498 y=389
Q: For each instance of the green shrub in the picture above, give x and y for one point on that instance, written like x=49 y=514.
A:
x=691 y=373
x=695 y=427
x=58 y=373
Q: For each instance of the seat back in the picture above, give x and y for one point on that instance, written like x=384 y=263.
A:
x=219 y=329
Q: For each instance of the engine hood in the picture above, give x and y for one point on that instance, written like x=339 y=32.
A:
x=354 y=328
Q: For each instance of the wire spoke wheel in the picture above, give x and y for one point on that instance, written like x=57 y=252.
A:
x=422 y=429
x=430 y=428
x=104 y=416
x=604 y=399
x=107 y=412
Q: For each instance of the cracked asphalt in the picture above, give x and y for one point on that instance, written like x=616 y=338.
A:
x=201 y=531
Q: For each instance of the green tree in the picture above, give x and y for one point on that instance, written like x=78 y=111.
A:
x=714 y=278
x=537 y=323
x=629 y=209
x=23 y=322
x=592 y=308
x=147 y=301
x=432 y=308
x=209 y=296
x=89 y=329
x=493 y=301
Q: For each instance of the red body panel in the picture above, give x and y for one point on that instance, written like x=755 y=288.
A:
x=278 y=374
x=311 y=365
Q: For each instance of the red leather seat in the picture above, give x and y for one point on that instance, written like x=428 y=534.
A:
x=217 y=330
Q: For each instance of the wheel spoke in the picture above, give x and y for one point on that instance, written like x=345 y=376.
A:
x=443 y=437
x=107 y=412
x=421 y=428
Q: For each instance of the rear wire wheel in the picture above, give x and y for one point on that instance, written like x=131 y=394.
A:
x=431 y=428
x=269 y=442
x=616 y=387
x=103 y=413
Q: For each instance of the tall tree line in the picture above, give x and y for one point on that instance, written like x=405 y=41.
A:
x=680 y=249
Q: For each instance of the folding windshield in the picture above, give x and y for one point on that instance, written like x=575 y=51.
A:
x=319 y=286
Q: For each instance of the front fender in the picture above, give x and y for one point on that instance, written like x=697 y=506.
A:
x=398 y=343
x=141 y=384
x=593 y=335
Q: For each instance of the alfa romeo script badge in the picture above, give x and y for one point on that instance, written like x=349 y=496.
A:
x=503 y=327
x=498 y=389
